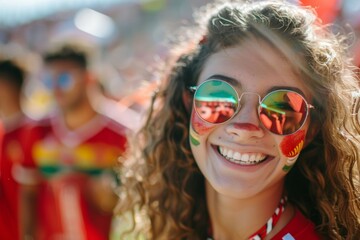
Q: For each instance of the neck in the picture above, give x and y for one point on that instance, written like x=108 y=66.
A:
x=233 y=218
x=77 y=117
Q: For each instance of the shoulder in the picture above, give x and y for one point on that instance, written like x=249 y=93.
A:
x=42 y=123
x=111 y=125
x=36 y=128
x=109 y=132
x=298 y=228
x=113 y=130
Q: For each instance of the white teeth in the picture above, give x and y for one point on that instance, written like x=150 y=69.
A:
x=230 y=154
x=237 y=156
x=241 y=158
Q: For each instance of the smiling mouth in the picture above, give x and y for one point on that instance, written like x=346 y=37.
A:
x=242 y=158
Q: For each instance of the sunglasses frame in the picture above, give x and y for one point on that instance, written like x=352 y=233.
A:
x=308 y=106
x=62 y=81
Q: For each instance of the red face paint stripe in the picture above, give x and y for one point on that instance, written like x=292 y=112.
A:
x=200 y=126
x=292 y=144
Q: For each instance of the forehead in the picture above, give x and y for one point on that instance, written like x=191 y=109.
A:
x=62 y=65
x=255 y=65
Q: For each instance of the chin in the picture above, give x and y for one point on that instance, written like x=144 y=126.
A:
x=234 y=189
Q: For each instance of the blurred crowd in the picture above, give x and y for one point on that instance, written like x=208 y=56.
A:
x=68 y=101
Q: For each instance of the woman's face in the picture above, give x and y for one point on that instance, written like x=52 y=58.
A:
x=241 y=158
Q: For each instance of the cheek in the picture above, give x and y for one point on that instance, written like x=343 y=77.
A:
x=197 y=128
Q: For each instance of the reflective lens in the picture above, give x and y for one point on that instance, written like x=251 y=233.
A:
x=215 y=101
x=282 y=112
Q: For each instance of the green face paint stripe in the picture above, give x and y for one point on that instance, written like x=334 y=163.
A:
x=194 y=141
x=287 y=168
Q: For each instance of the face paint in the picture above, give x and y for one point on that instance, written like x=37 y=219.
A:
x=194 y=137
x=289 y=164
x=291 y=146
x=199 y=125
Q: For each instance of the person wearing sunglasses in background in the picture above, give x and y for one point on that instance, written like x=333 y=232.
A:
x=280 y=163
x=70 y=156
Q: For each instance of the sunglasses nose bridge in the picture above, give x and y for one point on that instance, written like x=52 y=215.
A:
x=248 y=93
x=246 y=123
x=248 y=108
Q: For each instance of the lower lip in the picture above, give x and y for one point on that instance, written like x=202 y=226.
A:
x=247 y=168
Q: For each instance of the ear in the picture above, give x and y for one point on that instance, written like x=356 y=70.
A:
x=187 y=99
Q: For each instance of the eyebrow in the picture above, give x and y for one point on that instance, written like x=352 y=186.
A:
x=227 y=79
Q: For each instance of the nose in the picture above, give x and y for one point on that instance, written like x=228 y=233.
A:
x=246 y=124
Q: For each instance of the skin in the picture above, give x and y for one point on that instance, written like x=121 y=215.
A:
x=241 y=198
x=9 y=99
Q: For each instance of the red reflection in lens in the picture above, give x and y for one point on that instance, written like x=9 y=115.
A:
x=274 y=122
x=215 y=111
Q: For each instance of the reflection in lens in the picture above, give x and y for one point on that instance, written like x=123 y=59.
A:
x=283 y=112
x=215 y=101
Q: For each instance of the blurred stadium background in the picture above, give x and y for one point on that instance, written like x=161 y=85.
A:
x=129 y=36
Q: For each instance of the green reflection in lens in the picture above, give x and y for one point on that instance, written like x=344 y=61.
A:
x=216 y=91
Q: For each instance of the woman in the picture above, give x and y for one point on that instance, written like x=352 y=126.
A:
x=253 y=134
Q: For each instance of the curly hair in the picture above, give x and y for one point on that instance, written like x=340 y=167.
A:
x=161 y=179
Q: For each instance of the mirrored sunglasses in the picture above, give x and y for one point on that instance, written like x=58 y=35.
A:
x=282 y=112
x=63 y=81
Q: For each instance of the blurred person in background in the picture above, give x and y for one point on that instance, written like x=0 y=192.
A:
x=12 y=124
x=74 y=152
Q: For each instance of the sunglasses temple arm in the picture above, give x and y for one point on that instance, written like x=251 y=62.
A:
x=192 y=89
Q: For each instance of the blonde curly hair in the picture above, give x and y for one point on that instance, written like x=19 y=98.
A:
x=161 y=179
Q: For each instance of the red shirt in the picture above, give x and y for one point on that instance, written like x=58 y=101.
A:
x=67 y=160
x=11 y=155
x=298 y=228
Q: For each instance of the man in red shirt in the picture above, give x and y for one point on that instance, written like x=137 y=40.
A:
x=74 y=151
x=12 y=124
